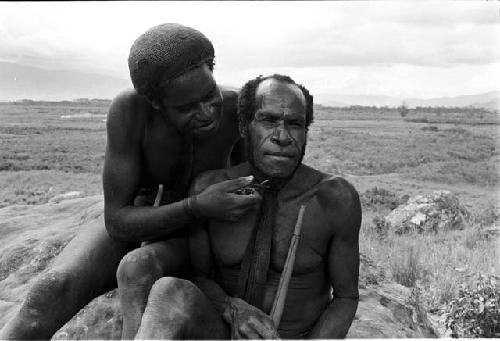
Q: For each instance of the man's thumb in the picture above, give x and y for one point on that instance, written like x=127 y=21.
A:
x=231 y=185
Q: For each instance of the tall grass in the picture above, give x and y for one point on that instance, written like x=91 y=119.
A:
x=437 y=263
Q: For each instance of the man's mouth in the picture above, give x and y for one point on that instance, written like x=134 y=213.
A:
x=280 y=155
x=206 y=126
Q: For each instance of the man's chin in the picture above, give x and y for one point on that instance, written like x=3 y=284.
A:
x=205 y=131
x=274 y=173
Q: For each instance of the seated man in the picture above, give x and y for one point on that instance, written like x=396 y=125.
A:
x=176 y=124
x=238 y=265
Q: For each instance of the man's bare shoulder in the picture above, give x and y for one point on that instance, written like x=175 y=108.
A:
x=229 y=92
x=341 y=204
x=129 y=107
x=338 y=190
x=230 y=97
x=126 y=120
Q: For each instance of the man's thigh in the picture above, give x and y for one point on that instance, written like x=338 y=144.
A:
x=171 y=255
x=92 y=257
x=178 y=309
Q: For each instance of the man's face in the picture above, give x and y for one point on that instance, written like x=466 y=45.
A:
x=277 y=133
x=193 y=102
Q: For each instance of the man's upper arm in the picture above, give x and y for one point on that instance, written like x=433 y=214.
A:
x=122 y=162
x=199 y=243
x=344 y=213
x=238 y=153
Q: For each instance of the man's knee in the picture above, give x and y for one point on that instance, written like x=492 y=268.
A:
x=138 y=266
x=173 y=287
x=178 y=309
x=183 y=297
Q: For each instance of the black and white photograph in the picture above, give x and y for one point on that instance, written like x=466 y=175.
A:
x=249 y=170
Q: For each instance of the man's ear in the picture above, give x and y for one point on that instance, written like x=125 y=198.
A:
x=244 y=131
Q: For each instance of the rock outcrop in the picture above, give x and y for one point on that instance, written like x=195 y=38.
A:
x=434 y=212
x=32 y=235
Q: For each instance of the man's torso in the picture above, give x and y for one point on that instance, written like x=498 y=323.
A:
x=173 y=160
x=309 y=291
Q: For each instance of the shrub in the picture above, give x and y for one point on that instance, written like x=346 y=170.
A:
x=472 y=237
x=375 y=197
x=403 y=110
x=430 y=128
x=487 y=215
x=381 y=227
x=475 y=312
x=417 y=120
x=407 y=269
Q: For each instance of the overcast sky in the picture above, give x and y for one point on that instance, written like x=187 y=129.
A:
x=411 y=49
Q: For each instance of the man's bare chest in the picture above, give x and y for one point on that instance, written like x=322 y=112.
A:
x=167 y=157
x=230 y=240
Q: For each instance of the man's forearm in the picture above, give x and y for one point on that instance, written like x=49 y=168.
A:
x=336 y=320
x=145 y=223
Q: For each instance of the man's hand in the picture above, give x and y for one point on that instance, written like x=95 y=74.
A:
x=248 y=322
x=218 y=200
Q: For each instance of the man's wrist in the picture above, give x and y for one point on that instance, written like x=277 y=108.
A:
x=227 y=310
x=190 y=206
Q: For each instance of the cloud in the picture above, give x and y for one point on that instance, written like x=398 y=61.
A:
x=445 y=13
x=358 y=36
x=400 y=80
x=357 y=43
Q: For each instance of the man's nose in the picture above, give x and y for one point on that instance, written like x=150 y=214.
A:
x=281 y=136
x=205 y=111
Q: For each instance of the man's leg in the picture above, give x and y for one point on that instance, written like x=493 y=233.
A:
x=139 y=270
x=178 y=309
x=84 y=270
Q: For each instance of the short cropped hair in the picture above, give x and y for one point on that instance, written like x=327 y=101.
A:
x=247 y=100
x=165 y=52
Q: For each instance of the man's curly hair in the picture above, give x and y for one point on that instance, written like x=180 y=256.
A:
x=165 y=52
x=247 y=106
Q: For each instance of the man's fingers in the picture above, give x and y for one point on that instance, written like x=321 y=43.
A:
x=231 y=185
x=264 y=328
x=271 y=333
x=235 y=334
x=248 y=333
x=247 y=200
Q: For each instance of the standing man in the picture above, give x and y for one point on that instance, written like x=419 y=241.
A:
x=238 y=265
x=176 y=124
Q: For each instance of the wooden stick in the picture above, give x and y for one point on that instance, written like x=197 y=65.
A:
x=159 y=195
x=286 y=275
x=156 y=203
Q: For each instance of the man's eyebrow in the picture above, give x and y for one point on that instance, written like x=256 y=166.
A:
x=290 y=115
x=210 y=91
x=202 y=97
x=268 y=112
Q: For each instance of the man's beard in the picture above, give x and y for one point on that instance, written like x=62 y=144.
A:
x=261 y=175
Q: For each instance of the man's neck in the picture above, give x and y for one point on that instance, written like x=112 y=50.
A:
x=273 y=183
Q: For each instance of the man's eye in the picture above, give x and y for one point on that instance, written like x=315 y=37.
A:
x=212 y=97
x=185 y=107
x=209 y=97
x=270 y=119
x=296 y=123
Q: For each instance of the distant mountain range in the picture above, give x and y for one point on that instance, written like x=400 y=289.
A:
x=489 y=100
x=26 y=82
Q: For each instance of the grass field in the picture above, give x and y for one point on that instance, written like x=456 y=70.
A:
x=48 y=149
